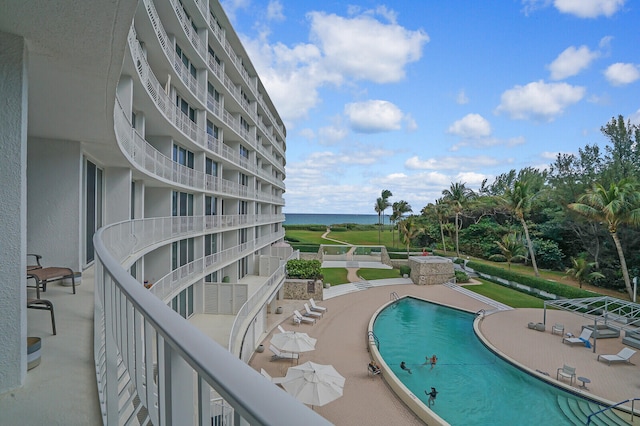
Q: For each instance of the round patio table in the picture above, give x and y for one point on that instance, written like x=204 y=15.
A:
x=584 y=381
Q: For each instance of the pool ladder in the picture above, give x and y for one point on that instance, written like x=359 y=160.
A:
x=394 y=296
x=481 y=313
x=371 y=336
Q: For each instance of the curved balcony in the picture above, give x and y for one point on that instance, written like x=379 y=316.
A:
x=147 y=158
x=152 y=364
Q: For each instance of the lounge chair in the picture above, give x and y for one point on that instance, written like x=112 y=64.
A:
x=36 y=263
x=44 y=305
x=374 y=370
x=624 y=355
x=282 y=330
x=315 y=307
x=275 y=380
x=584 y=338
x=282 y=355
x=44 y=275
x=298 y=318
x=310 y=313
x=566 y=372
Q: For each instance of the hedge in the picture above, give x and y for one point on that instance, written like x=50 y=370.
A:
x=560 y=290
x=303 y=269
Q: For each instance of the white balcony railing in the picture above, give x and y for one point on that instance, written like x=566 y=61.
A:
x=153 y=365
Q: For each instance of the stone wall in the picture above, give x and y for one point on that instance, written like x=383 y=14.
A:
x=430 y=270
x=302 y=289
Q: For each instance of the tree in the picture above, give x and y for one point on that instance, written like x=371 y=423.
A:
x=409 y=229
x=399 y=209
x=382 y=203
x=581 y=270
x=623 y=154
x=517 y=197
x=457 y=196
x=617 y=205
x=511 y=249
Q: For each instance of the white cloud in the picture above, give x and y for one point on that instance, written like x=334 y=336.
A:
x=539 y=100
x=471 y=126
x=373 y=116
x=365 y=48
x=461 y=98
x=451 y=163
x=571 y=62
x=331 y=135
x=274 y=11
x=482 y=143
x=620 y=74
x=589 y=8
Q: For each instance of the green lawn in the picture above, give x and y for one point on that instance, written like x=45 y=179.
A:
x=368 y=238
x=306 y=237
x=335 y=276
x=378 y=274
x=506 y=295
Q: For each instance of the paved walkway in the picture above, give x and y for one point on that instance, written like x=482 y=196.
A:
x=341 y=335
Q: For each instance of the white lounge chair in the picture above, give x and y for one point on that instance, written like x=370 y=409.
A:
x=298 y=318
x=584 y=338
x=315 y=307
x=275 y=380
x=282 y=355
x=566 y=372
x=310 y=313
x=623 y=356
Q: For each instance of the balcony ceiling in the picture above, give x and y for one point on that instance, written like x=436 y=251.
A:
x=75 y=53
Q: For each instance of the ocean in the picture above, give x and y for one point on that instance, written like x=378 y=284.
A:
x=330 y=219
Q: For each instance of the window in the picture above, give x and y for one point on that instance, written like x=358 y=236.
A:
x=244 y=152
x=210 y=205
x=185 y=108
x=183 y=302
x=213 y=92
x=183 y=156
x=242 y=207
x=242 y=234
x=212 y=130
x=211 y=167
x=93 y=206
x=243 y=179
x=181 y=204
x=133 y=200
x=211 y=278
x=210 y=244
x=213 y=55
x=244 y=123
x=181 y=253
x=185 y=60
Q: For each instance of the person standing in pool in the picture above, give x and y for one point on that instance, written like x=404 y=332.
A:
x=404 y=367
x=433 y=360
x=432 y=396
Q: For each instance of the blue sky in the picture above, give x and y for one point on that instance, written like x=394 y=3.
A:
x=411 y=96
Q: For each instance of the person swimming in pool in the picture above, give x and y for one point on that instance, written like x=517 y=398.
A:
x=404 y=367
x=432 y=396
x=433 y=360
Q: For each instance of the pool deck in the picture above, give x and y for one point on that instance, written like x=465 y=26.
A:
x=342 y=333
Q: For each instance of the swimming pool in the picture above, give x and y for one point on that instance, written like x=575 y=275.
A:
x=475 y=387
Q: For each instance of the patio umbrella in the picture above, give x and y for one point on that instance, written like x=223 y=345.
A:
x=313 y=384
x=292 y=341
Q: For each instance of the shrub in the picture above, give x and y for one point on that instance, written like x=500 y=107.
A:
x=303 y=269
x=461 y=277
x=405 y=269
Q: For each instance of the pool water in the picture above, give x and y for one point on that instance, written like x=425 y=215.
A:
x=475 y=387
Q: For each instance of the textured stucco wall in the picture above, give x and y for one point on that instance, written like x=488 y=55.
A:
x=298 y=290
x=430 y=270
x=13 y=135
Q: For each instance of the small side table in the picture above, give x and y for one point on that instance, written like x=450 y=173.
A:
x=584 y=381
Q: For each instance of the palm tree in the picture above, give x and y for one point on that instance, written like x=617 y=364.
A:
x=441 y=212
x=457 y=195
x=581 y=270
x=517 y=198
x=382 y=203
x=409 y=229
x=399 y=209
x=614 y=206
x=511 y=248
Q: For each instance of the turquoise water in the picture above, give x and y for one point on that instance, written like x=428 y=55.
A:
x=475 y=387
x=330 y=219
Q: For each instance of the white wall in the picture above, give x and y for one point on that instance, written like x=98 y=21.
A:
x=13 y=262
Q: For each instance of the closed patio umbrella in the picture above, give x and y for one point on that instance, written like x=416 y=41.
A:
x=292 y=341
x=313 y=384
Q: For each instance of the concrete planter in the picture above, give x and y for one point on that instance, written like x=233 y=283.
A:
x=34 y=349
x=67 y=281
x=260 y=348
x=279 y=310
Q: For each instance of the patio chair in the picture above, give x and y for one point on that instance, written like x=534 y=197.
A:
x=36 y=261
x=624 y=355
x=282 y=355
x=557 y=328
x=44 y=305
x=315 y=307
x=44 y=275
x=310 y=313
x=584 y=338
x=275 y=380
x=298 y=318
x=373 y=369
x=566 y=372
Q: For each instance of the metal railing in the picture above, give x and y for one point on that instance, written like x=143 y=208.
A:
x=151 y=361
x=611 y=407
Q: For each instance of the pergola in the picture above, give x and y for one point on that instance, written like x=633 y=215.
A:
x=615 y=313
